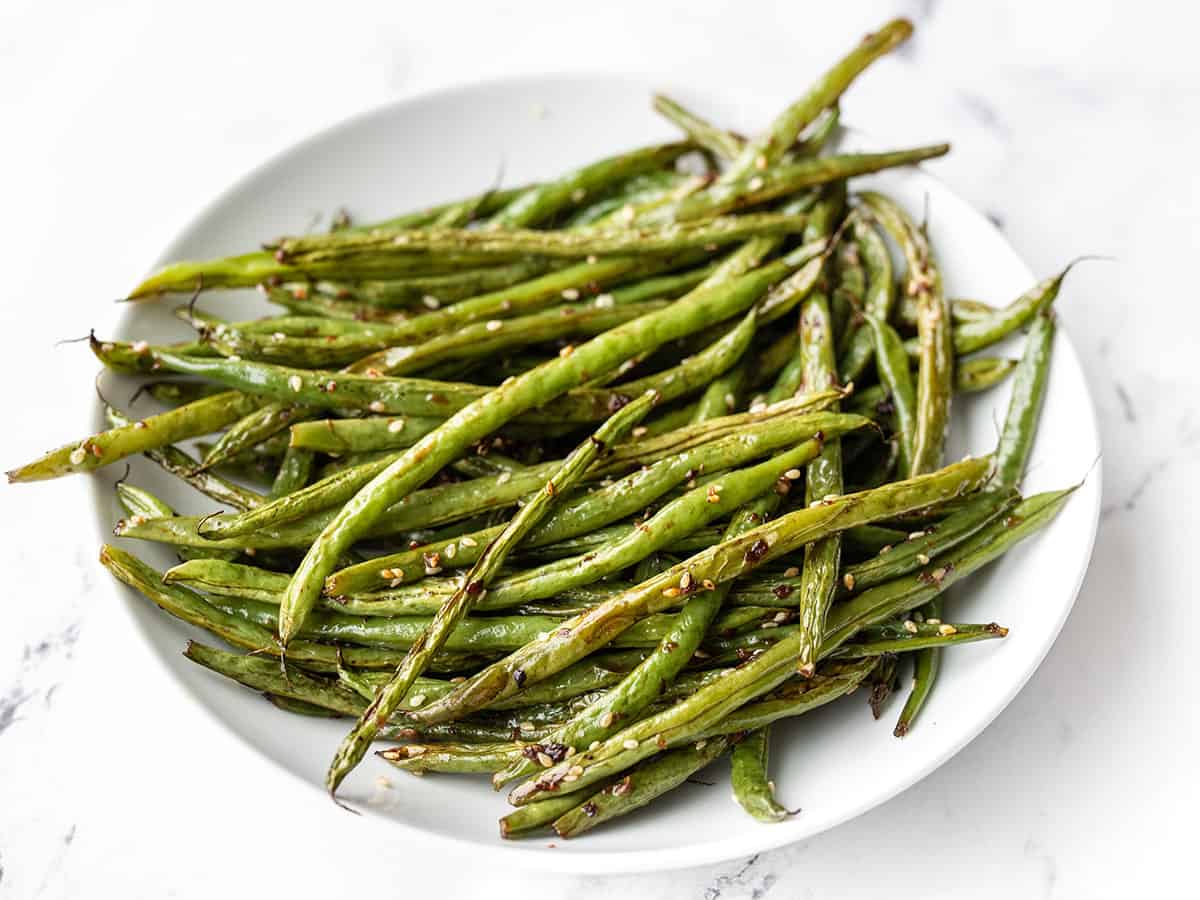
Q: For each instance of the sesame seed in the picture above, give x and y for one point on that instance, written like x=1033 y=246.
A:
x=791 y=571
x=730 y=402
x=606 y=301
x=923 y=559
x=417 y=700
x=886 y=548
x=468 y=541
x=781 y=617
x=137 y=520
x=792 y=474
x=431 y=302
x=760 y=162
x=713 y=496
x=910 y=626
x=527 y=726
x=570 y=293
x=947 y=630
x=607 y=719
x=628 y=212
x=700 y=745
x=451 y=551
x=377 y=406
x=295 y=382
x=671 y=592
x=592 y=259
x=766 y=625
x=504 y=478
x=494 y=325
x=140 y=346
x=578 y=194
x=685 y=581
x=629 y=744
x=414 y=750
x=400 y=240
x=916 y=534
x=395 y=426
x=848 y=581
x=639 y=431
x=758 y=405
x=278 y=336
x=545 y=760
x=78 y=455
x=570 y=777
x=575 y=770
x=593 y=745
x=566 y=351
x=709 y=584
x=756 y=183
x=934 y=621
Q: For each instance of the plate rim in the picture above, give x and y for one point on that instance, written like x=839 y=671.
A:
x=533 y=855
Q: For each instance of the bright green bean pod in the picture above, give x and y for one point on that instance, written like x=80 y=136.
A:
x=894 y=376
x=878 y=300
x=752 y=788
x=361 y=435
x=1025 y=407
x=926 y=664
x=202 y=416
x=768 y=147
x=822 y=482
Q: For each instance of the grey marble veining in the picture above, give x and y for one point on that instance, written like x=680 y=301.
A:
x=125 y=130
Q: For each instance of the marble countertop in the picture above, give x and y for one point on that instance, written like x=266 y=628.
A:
x=122 y=119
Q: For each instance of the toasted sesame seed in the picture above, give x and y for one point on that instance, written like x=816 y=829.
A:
x=916 y=534
x=606 y=721
x=396 y=426
x=848 y=581
x=629 y=744
x=628 y=212
x=377 y=406
x=910 y=626
x=592 y=259
x=685 y=581
x=923 y=559
x=468 y=541
x=458 y=679
x=570 y=293
x=278 y=336
x=938 y=574
x=766 y=625
x=886 y=548
x=947 y=630
x=933 y=621
x=545 y=760
x=566 y=351
x=414 y=750
x=494 y=325
x=709 y=584
x=639 y=431
x=137 y=520
x=671 y=592
x=760 y=162
x=713 y=496
x=791 y=571
x=575 y=770
x=570 y=777
x=792 y=474
x=756 y=183
x=781 y=617
x=417 y=700
x=758 y=406
x=431 y=302
x=78 y=455
x=295 y=382
x=140 y=346
x=504 y=478
x=606 y=301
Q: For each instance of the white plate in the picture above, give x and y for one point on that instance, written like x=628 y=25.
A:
x=835 y=763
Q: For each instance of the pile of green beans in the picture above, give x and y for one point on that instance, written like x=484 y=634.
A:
x=583 y=484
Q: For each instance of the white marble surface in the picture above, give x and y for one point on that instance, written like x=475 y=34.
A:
x=121 y=119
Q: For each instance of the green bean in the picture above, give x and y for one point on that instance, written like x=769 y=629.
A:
x=873 y=538
x=915 y=550
x=926 y=663
x=542 y=202
x=933 y=634
x=294 y=472
x=199 y=417
x=177 y=393
x=644 y=784
x=894 y=376
x=717 y=141
x=822 y=481
x=779 y=181
x=1025 y=407
x=981 y=333
x=385 y=246
x=772 y=144
x=697 y=310
x=752 y=788
x=846 y=301
x=485 y=338
x=301 y=300
x=935 y=370
x=859 y=347
x=729 y=559
x=184 y=467
x=649 y=188
x=358 y=435
x=892 y=598
x=883 y=681
x=474 y=585
x=402 y=292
